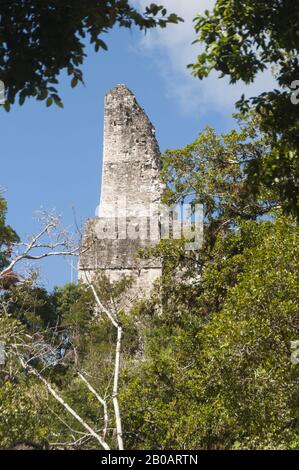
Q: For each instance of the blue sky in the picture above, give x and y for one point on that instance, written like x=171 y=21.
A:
x=51 y=157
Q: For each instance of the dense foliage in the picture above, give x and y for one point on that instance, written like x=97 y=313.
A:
x=225 y=381
x=40 y=39
x=206 y=361
x=242 y=38
x=7 y=235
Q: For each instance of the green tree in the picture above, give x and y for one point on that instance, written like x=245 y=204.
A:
x=24 y=405
x=40 y=39
x=241 y=39
x=32 y=306
x=216 y=371
x=222 y=377
x=24 y=412
x=7 y=236
x=248 y=385
x=49 y=338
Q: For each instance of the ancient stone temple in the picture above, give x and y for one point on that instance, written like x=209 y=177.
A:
x=128 y=215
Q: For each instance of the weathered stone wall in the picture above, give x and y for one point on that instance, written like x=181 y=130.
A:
x=131 y=159
x=131 y=169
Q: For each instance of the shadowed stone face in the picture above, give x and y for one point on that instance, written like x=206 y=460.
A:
x=130 y=196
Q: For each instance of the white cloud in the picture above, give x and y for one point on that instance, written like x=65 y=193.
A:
x=172 y=50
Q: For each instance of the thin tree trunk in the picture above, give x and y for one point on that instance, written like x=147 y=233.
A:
x=115 y=390
x=100 y=399
x=65 y=405
x=116 y=368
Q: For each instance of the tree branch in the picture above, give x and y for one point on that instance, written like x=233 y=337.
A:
x=57 y=397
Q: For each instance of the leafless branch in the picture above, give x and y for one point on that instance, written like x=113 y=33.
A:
x=66 y=406
x=116 y=366
x=44 y=244
x=100 y=399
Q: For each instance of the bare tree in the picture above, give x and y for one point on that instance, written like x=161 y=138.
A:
x=66 y=406
x=118 y=327
x=51 y=240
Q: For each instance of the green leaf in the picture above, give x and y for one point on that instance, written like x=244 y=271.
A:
x=43 y=94
x=22 y=98
x=74 y=82
x=57 y=101
x=100 y=44
x=6 y=106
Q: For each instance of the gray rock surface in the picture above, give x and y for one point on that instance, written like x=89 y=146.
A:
x=128 y=218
